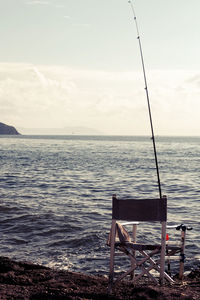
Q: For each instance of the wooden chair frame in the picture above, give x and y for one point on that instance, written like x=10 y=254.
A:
x=138 y=210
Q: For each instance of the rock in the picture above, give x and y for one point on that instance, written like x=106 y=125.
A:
x=27 y=281
x=6 y=129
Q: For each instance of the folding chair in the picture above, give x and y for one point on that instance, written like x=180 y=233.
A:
x=153 y=255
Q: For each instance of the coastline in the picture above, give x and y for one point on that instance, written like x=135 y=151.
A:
x=24 y=280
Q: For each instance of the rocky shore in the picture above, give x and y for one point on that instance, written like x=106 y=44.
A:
x=24 y=280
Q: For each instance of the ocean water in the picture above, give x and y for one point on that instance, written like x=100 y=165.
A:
x=56 y=194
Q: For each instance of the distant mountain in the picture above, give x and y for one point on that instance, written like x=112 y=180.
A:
x=60 y=131
x=8 y=130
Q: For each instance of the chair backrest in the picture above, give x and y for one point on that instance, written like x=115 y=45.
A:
x=139 y=209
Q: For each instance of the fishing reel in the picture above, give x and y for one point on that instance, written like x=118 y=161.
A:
x=183 y=227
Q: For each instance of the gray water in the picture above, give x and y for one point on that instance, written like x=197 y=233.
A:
x=55 y=194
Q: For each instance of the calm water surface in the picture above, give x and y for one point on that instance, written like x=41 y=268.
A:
x=55 y=194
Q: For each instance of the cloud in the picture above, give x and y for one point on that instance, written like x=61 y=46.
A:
x=34 y=96
x=38 y=2
x=67 y=17
x=41 y=77
x=74 y=22
x=44 y=2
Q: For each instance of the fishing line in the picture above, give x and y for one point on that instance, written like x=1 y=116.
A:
x=147 y=95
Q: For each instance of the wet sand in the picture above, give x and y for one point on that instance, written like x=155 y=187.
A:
x=24 y=280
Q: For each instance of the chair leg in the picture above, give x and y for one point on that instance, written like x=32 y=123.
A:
x=182 y=254
x=112 y=254
x=162 y=254
x=137 y=264
x=133 y=251
x=157 y=267
x=111 y=274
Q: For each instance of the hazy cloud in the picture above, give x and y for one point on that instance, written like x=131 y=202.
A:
x=67 y=17
x=75 y=23
x=40 y=76
x=45 y=2
x=112 y=102
x=38 y=2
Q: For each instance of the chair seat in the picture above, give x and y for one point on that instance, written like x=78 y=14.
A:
x=172 y=247
x=138 y=247
x=143 y=247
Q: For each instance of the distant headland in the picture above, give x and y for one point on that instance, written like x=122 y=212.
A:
x=8 y=130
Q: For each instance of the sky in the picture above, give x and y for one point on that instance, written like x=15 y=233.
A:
x=67 y=63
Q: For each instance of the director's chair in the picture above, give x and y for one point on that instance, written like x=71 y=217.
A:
x=152 y=256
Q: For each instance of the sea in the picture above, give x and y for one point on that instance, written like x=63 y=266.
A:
x=56 y=195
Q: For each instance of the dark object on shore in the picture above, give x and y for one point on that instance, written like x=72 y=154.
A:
x=8 y=130
x=24 y=280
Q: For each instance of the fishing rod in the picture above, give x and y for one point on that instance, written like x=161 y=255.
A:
x=147 y=95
